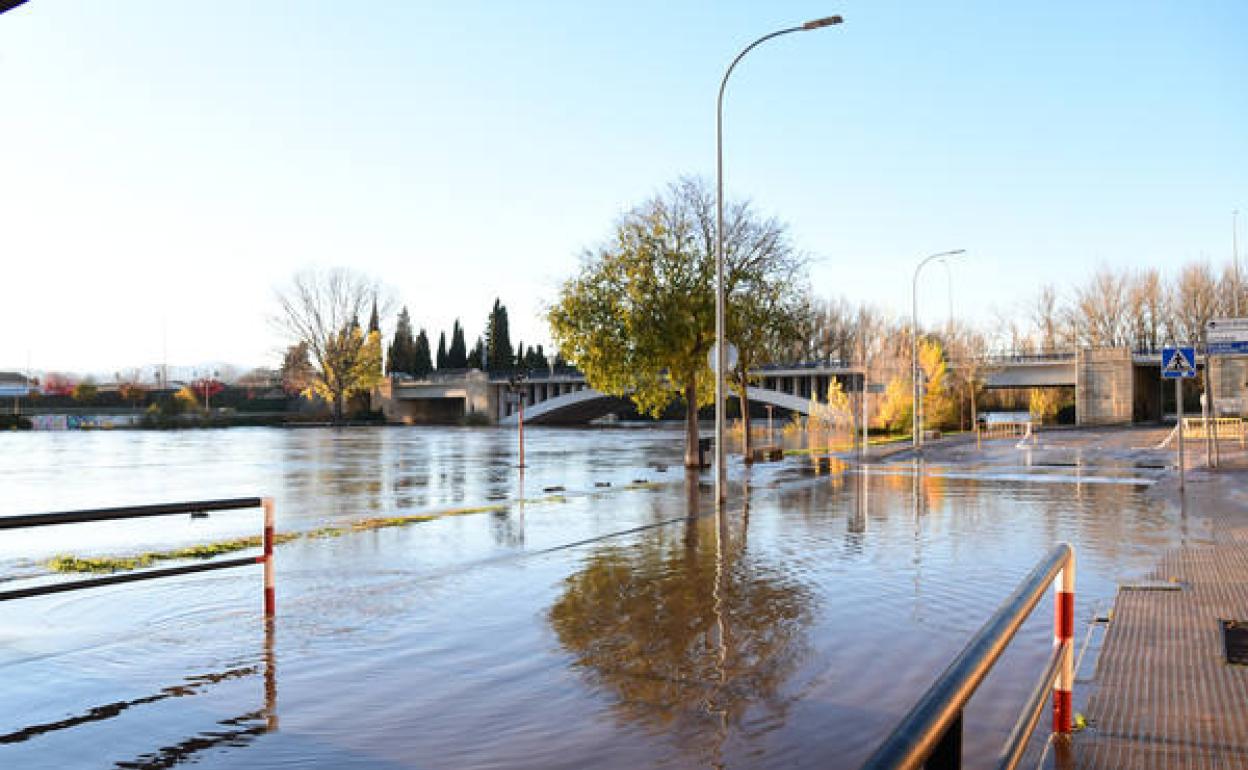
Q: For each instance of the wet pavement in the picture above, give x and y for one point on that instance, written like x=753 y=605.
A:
x=606 y=626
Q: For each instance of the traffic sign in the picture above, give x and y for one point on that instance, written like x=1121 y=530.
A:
x=731 y=357
x=1227 y=336
x=1178 y=362
x=1227 y=330
x=1228 y=348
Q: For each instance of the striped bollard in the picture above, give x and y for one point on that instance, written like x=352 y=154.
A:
x=1064 y=633
x=270 y=599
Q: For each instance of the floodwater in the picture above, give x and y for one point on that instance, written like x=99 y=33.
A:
x=586 y=620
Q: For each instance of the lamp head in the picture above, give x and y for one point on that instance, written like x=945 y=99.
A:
x=826 y=21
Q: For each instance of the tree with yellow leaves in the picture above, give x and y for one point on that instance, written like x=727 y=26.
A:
x=638 y=318
x=321 y=309
x=939 y=407
x=897 y=409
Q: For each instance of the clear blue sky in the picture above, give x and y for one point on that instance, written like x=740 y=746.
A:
x=167 y=164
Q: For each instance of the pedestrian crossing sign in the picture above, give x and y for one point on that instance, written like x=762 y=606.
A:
x=1178 y=363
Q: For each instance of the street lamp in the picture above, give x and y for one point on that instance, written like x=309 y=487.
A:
x=720 y=487
x=916 y=410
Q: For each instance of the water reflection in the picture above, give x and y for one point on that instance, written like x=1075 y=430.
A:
x=686 y=631
x=238 y=731
x=796 y=628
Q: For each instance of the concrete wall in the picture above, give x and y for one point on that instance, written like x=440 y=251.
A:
x=434 y=401
x=1104 y=387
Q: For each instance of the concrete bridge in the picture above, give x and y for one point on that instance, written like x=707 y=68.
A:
x=566 y=397
x=573 y=403
x=1112 y=387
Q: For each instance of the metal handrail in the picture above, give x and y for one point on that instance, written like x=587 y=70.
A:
x=126 y=512
x=142 y=511
x=930 y=735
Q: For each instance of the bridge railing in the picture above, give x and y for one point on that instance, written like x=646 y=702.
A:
x=930 y=736
x=26 y=521
x=1056 y=356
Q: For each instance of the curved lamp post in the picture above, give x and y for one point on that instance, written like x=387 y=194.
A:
x=916 y=410
x=720 y=487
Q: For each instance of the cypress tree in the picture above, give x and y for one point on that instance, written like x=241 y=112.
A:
x=499 y=355
x=535 y=358
x=421 y=362
x=441 y=350
x=374 y=322
x=401 y=356
x=457 y=355
x=477 y=358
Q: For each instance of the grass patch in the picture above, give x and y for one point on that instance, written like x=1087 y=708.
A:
x=106 y=564
x=97 y=564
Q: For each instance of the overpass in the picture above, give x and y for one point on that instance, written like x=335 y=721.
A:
x=565 y=397
x=1112 y=386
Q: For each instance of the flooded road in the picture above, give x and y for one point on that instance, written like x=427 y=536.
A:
x=598 y=614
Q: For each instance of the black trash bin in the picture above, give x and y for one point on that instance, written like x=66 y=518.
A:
x=704 y=448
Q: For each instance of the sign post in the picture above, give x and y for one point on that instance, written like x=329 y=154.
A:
x=515 y=394
x=1179 y=364
x=1224 y=337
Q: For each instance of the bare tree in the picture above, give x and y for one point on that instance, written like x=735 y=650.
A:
x=967 y=350
x=1148 y=314
x=1196 y=301
x=1101 y=310
x=1046 y=317
x=321 y=309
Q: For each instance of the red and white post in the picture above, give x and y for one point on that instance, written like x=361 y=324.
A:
x=1064 y=633
x=270 y=599
x=521 y=428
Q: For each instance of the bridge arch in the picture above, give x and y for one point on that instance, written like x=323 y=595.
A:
x=581 y=406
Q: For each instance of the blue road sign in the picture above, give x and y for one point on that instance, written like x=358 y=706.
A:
x=1232 y=348
x=1178 y=363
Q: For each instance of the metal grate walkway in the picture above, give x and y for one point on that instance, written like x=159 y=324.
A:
x=1165 y=697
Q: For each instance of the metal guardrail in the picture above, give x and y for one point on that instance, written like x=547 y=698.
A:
x=142 y=511
x=1222 y=427
x=930 y=736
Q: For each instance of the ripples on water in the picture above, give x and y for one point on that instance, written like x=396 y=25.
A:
x=795 y=630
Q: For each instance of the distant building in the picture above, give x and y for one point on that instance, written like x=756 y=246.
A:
x=260 y=379
x=15 y=385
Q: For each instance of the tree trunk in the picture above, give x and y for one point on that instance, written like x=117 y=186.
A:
x=691 y=424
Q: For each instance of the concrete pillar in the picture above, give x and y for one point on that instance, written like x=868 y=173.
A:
x=1104 y=387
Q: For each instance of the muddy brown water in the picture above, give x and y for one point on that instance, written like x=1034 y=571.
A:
x=602 y=626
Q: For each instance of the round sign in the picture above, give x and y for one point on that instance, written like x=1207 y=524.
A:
x=731 y=357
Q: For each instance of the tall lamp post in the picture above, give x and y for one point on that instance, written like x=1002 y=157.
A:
x=720 y=466
x=916 y=410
